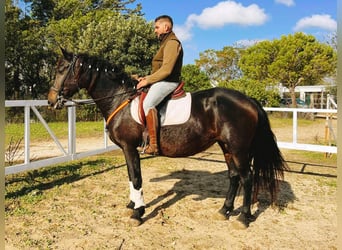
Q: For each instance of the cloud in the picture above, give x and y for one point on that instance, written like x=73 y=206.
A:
x=286 y=2
x=223 y=13
x=228 y=12
x=183 y=32
x=316 y=21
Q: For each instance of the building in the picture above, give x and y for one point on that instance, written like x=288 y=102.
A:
x=315 y=96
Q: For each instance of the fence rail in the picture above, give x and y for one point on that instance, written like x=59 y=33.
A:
x=72 y=154
x=302 y=146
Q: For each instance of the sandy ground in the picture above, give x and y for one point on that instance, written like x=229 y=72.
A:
x=183 y=197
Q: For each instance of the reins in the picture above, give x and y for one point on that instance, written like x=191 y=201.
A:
x=121 y=106
x=118 y=109
x=93 y=101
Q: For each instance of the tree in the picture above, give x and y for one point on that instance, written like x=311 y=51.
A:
x=46 y=10
x=129 y=42
x=255 y=89
x=13 y=50
x=220 y=65
x=194 y=78
x=111 y=29
x=293 y=60
x=123 y=37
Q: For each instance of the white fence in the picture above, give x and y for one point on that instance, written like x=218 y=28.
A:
x=301 y=146
x=72 y=154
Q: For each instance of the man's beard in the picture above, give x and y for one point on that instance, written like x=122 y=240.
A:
x=162 y=36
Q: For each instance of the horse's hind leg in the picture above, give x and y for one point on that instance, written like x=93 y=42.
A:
x=238 y=171
x=234 y=179
x=247 y=182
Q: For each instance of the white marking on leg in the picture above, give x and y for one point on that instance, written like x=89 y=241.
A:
x=131 y=188
x=136 y=196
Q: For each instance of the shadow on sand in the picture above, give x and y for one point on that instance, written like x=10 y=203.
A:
x=204 y=185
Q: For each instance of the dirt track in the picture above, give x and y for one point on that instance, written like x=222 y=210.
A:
x=183 y=197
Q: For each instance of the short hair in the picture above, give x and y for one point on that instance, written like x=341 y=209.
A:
x=165 y=17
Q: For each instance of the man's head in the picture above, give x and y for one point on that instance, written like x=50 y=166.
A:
x=162 y=25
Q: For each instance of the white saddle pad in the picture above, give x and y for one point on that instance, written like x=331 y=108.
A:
x=177 y=111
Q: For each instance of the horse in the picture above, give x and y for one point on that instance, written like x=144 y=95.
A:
x=236 y=122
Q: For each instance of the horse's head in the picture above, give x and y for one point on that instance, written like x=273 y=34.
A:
x=74 y=72
x=66 y=82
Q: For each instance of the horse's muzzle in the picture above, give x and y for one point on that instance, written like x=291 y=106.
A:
x=55 y=101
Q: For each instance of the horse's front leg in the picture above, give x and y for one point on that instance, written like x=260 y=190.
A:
x=136 y=203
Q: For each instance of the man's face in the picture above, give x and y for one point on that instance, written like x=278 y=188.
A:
x=161 y=27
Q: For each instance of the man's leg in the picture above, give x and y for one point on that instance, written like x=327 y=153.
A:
x=157 y=92
x=152 y=127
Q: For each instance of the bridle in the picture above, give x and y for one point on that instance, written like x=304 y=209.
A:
x=61 y=100
x=60 y=96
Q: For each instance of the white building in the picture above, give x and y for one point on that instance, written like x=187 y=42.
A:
x=314 y=95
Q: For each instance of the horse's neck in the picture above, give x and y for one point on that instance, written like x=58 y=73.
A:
x=108 y=95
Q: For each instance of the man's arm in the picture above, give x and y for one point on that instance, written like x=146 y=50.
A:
x=171 y=52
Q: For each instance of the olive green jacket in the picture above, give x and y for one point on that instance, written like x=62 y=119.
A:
x=168 y=61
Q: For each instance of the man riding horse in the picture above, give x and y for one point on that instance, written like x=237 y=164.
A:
x=163 y=80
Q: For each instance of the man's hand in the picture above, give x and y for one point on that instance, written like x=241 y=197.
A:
x=142 y=82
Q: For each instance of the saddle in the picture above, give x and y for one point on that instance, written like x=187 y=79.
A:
x=177 y=93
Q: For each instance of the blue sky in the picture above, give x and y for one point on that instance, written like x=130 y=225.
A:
x=213 y=24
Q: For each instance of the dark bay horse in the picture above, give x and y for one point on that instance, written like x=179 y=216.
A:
x=236 y=122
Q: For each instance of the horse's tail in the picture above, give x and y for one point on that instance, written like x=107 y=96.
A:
x=268 y=162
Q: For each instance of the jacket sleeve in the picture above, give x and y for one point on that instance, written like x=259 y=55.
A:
x=171 y=52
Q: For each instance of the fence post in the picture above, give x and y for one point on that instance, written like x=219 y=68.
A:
x=105 y=134
x=72 y=130
x=27 y=134
x=294 y=134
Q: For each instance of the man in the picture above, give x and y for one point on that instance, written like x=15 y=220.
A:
x=164 y=78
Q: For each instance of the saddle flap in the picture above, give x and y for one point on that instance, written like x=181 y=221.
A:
x=141 y=113
x=174 y=111
x=177 y=93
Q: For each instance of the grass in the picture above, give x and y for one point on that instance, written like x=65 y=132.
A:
x=277 y=122
x=60 y=129
x=95 y=129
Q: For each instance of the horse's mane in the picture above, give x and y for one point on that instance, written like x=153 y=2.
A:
x=113 y=71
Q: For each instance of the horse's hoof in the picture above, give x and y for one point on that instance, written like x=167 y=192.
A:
x=136 y=217
x=130 y=205
x=135 y=222
x=223 y=212
x=251 y=218
x=245 y=219
x=227 y=212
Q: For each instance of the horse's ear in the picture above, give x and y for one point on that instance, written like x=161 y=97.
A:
x=67 y=55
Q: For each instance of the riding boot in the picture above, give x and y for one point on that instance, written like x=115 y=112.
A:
x=152 y=127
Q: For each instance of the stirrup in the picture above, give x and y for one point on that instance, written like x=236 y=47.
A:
x=154 y=152
x=142 y=147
